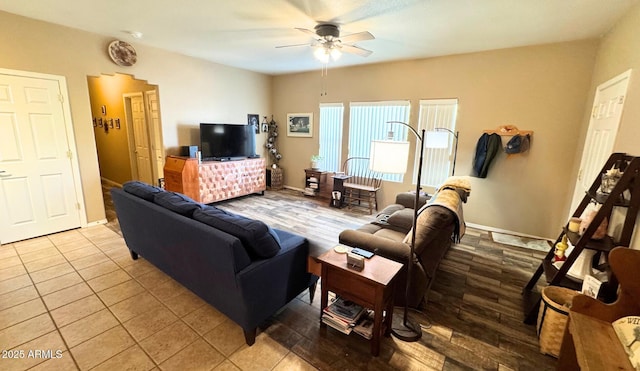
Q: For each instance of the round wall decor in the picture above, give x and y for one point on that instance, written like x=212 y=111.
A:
x=122 y=53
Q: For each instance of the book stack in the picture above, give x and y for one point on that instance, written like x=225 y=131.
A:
x=364 y=327
x=342 y=315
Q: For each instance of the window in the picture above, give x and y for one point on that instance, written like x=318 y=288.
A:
x=368 y=121
x=437 y=162
x=331 y=135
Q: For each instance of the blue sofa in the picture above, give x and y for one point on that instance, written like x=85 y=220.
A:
x=240 y=266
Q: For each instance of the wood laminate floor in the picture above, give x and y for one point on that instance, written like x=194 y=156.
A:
x=80 y=293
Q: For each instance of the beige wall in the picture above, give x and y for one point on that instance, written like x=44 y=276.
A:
x=191 y=90
x=619 y=51
x=539 y=88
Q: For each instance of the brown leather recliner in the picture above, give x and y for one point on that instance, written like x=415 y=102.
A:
x=390 y=235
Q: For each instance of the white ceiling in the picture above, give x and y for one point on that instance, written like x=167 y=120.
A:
x=245 y=33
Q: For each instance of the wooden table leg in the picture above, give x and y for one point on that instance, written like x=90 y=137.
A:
x=388 y=319
x=324 y=298
x=377 y=329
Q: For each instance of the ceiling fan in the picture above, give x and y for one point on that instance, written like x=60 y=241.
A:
x=328 y=42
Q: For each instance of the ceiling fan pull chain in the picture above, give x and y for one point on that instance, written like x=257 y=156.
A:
x=323 y=80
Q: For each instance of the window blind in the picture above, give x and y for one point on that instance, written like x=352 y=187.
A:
x=437 y=162
x=331 y=135
x=368 y=121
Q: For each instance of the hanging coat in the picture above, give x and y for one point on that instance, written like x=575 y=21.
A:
x=486 y=149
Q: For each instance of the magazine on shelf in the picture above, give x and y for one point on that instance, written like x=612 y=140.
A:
x=628 y=331
x=345 y=310
x=338 y=325
x=364 y=327
x=342 y=315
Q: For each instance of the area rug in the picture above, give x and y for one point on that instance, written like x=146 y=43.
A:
x=525 y=242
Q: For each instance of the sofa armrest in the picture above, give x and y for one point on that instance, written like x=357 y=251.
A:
x=407 y=199
x=394 y=250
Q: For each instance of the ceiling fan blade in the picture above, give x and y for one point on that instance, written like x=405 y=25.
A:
x=307 y=31
x=288 y=46
x=355 y=37
x=356 y=50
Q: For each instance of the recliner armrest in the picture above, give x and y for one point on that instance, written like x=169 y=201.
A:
x=394 y=250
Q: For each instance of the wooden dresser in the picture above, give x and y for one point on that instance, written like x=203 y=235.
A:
x=213 y=181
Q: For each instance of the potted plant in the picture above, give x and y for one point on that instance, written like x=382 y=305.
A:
x=315 y=159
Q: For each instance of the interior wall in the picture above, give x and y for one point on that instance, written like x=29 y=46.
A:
x=617 y=53
x=193 y=90
x=540 y=88
x=112 y=144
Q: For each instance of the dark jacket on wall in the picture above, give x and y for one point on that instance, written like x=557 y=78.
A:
x=486 y=149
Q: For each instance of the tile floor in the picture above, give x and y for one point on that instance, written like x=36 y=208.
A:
x=76 y=300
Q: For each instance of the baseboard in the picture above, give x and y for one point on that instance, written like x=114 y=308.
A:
x=111 y=183
x=499 y=230
x=97 y=222
x=293 y=188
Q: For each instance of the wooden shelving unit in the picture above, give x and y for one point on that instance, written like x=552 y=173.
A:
x=626 y=193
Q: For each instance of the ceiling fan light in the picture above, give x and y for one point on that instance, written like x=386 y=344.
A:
x=335 y=53
x=322 y=54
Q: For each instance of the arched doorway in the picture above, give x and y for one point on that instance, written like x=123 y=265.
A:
x=127 y=129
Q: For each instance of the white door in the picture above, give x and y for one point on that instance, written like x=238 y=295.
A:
x=601 y=135
x=37 y=188
x=155 y=129
x=141 y=140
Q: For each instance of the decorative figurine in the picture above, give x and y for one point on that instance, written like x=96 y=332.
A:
x=561 y=247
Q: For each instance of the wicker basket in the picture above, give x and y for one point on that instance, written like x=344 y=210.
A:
x=552 y=318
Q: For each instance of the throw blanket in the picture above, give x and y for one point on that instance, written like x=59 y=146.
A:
x=451 y=195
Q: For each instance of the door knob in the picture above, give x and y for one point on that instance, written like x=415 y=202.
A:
x=4 y=174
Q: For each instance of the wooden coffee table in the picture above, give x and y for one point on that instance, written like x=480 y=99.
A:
x=372 y=288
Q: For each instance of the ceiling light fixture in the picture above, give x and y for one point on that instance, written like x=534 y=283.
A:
x=327 y=50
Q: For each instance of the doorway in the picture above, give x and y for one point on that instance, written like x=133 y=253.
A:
x=128 y=129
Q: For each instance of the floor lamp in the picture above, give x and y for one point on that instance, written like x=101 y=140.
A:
x=389 y=156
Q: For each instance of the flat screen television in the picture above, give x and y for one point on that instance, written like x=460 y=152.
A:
x=221 y=142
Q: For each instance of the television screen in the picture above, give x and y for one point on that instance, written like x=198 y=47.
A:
x=227 y=141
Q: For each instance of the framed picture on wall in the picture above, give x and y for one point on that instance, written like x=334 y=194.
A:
x=255 y=121
x=300 y=125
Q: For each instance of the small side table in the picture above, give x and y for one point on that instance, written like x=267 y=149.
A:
x=276 y=178
x=338 y=185
x=372 y=288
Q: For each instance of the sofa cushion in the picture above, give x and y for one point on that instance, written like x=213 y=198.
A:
x=177 y=202
x=401 y=219
x=390 y=209
x=141 y=189
x=258 y=238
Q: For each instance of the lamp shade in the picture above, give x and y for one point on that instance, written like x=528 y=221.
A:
x=388 y=156
x=436 y=139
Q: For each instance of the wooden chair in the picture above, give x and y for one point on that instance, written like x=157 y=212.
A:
x=589 y=341
x=363 y=184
